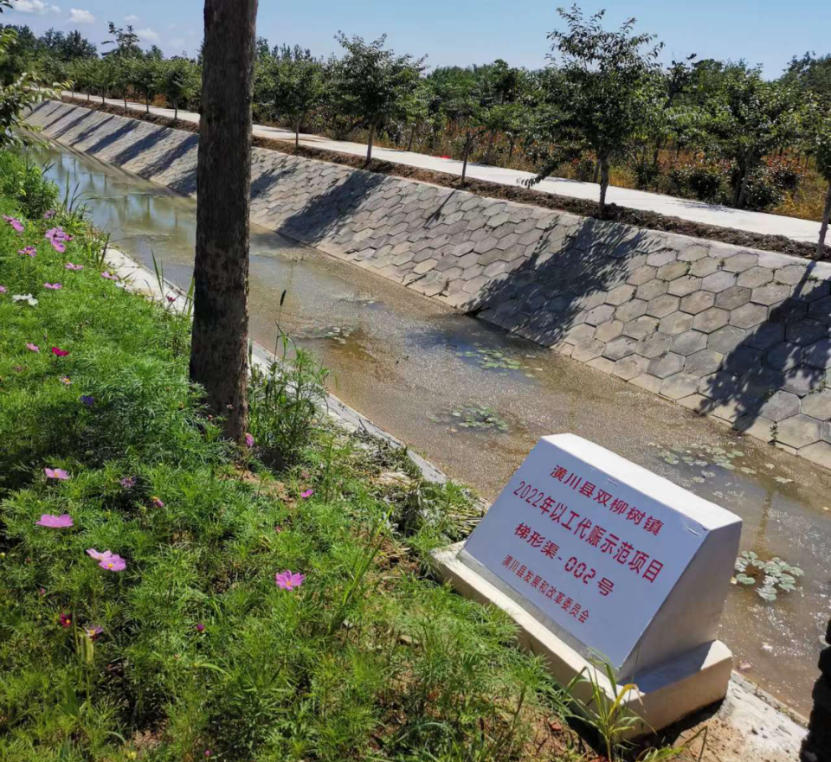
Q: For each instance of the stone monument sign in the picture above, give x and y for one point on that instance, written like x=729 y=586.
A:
x=611 y=559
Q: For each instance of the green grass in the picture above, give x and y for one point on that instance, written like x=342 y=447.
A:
x=200 y=650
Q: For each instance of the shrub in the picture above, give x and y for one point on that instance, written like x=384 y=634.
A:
x=22 y=180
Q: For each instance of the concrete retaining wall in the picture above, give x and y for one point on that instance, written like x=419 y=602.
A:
x=741 y=335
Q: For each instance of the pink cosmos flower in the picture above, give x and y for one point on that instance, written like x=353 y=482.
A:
x=58 y=246
x=108 y=560
x=59 y=352
x=171 y=299
x=32 y=347
x=70 y=266
x=278 y=529
x=2 y=289
x=157 y=502
x=288 y=580
x=64 y=521
x=128 y=482
x=50 y=214
x=109 y=276
x=28 y=251
x=93 y=632
x=66 y=381
x=65 y=620
x=53 y=286
x=14 y=222
x=307 y=494
x=56 y=473
x=249 y=440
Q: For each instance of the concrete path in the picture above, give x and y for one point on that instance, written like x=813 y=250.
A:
x=694 y=211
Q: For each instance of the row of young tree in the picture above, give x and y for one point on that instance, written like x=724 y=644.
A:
x=604 y=99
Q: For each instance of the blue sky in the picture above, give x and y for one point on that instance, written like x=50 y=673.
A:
x=767 y=32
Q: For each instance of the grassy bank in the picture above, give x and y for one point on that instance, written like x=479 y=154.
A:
x=145 y=609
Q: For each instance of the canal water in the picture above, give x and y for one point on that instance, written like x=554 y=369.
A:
x=474 y=400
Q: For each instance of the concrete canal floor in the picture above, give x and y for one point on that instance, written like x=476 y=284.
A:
x=474 y=401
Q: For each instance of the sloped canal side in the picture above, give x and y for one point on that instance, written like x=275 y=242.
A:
x=474 y=400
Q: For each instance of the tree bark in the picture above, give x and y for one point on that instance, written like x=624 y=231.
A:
x=490 y=147
x=369 y=143
x=219 y=347
x=826 y=214
x=175 y=111
x=604 y=184
x=147 y=102
x=412 y=138
x=468 y=144
x=297 y=136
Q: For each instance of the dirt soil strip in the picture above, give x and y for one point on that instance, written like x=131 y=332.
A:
x=518 y=194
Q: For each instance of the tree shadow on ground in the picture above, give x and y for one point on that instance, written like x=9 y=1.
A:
x=769 y=367
x=134 y=150
x=110 y=138
x=323 y=214
x=562 y=291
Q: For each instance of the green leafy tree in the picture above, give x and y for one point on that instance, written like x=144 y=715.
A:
x=178 y=80
x=144 y=77
x=603 y=95
x=18 y=95
x=291 y=87
x=748 y=118
x=371 y=81
x=124 y=41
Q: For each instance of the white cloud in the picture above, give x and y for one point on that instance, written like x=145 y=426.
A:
x=131 y=19
x=80 y=16
x=148 y=35
x=35 y=6
x=178 y=42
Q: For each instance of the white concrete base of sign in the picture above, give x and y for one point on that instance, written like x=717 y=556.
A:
x=666 y=693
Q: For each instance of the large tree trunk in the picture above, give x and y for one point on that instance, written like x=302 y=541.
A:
x=823 y=230
x=369 y=143
x=219 y=348
x=604 y=184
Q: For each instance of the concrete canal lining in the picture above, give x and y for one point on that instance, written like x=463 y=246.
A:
x=737 y=334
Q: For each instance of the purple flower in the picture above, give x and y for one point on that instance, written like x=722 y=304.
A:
x=208 y=753
x=157 y=502
x=249 y=440
x=64 y=521
x=28 y=251
x=53 y=286
x=65 y=620
x=307 y=494
x=108 y=560
x=200 y=627
x=93 y=631
x=32 y=347
x=50 y=214
x=128 y=482
x=2 y=289
x=57 y=237
x=56 y=473
x=288 y=580
x=14 y=222
x=87 y=400
x=70 y=266
x=109 y=276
